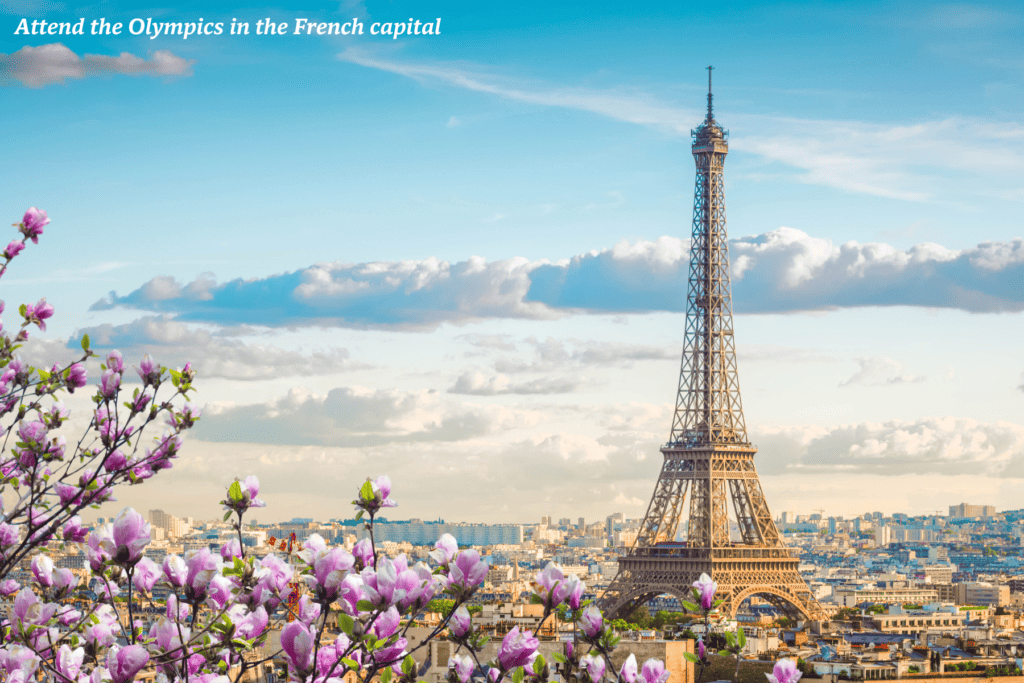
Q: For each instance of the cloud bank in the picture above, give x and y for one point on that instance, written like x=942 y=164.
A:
x=174 y=343
x=36 y=67
x=781 y=271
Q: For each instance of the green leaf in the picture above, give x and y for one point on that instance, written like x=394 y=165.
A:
x=718 y=602
x=227 y=515
x=690 y=657
x=539 y=664
x=518 y=675
x=723 y=653
x=408 y=665
x=690 y=607
x=359 y=515
x=23 y=309
x=85 y=342
x=558 y=657
x=364 y=606
x=385 y=675
x=741 y=636
x=350 y=663
x=729 y=638
x=235 y=491
x=43 y=375
x=345 y=623
x=366 y=492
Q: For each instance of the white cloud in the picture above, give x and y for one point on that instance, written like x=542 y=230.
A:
x=946 y=445
x=783 y=270
x=879 y=371
x=44 y=65
x=174 y=343
x=357 y=417
x=478 y=384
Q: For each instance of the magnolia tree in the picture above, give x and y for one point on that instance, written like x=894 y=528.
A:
x=215 y=622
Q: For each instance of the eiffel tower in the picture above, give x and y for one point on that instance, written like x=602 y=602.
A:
x=708 y=453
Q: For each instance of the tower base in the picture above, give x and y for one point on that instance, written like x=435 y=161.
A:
x=740 y=571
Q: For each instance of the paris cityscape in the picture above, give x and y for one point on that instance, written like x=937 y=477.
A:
x=401 y=355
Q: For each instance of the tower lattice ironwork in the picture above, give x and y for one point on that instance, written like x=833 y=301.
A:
x=708 y=454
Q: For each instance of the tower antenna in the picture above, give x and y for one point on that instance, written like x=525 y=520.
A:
x=711 y=117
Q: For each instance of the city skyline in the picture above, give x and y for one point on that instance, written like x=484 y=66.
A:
x=459 y=259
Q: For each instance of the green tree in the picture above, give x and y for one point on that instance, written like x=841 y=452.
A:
x=641 y=616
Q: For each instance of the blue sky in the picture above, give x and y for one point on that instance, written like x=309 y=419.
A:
x=458 y=258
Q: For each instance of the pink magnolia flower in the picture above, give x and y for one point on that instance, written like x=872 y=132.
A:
x=149 y=371
x=110 y=382
x=74 y=531
x=251 y=483
x=654 y=671
x=704 y=588
x=298 y=643
x=252 y=625
x=593 y=666
x=230 y=550
x=785 y=671
x=307 y=611
x=329 y=570
x=13 y=249
x=39 y=313
x=9 y=534
x=9 y=587
x=468 y=571
x=381 y=491
x=125 y=662
x=417 y=582
x=42 y=569
x=575 y=588
x=202 y=567
x=592 y=621
x=218 y=591
x=146 y=574
x=702 y=651
x=77 y=377
x=551 y=585
x=377 y=497
x=64 y=580
x=391 y=654
x=461 y=623
x=175 y=570
x=166 y=635
x=115 y=461
x=379 y=584
x=18 y=660
x=115 y=362
x=462 y=666
x=32 y=224
x=30 y=611
x=32 y=432
x=69 y=662
x=386 y=623
x=445 y=550
x=628 y=671
x=104 y=631
x=131 y=535
x=518 y=649
x=363 y=554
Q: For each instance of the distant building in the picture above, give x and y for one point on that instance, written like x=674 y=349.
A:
x=851 y=597
x=965 y=510
x=426 y=533
x=976 y=593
